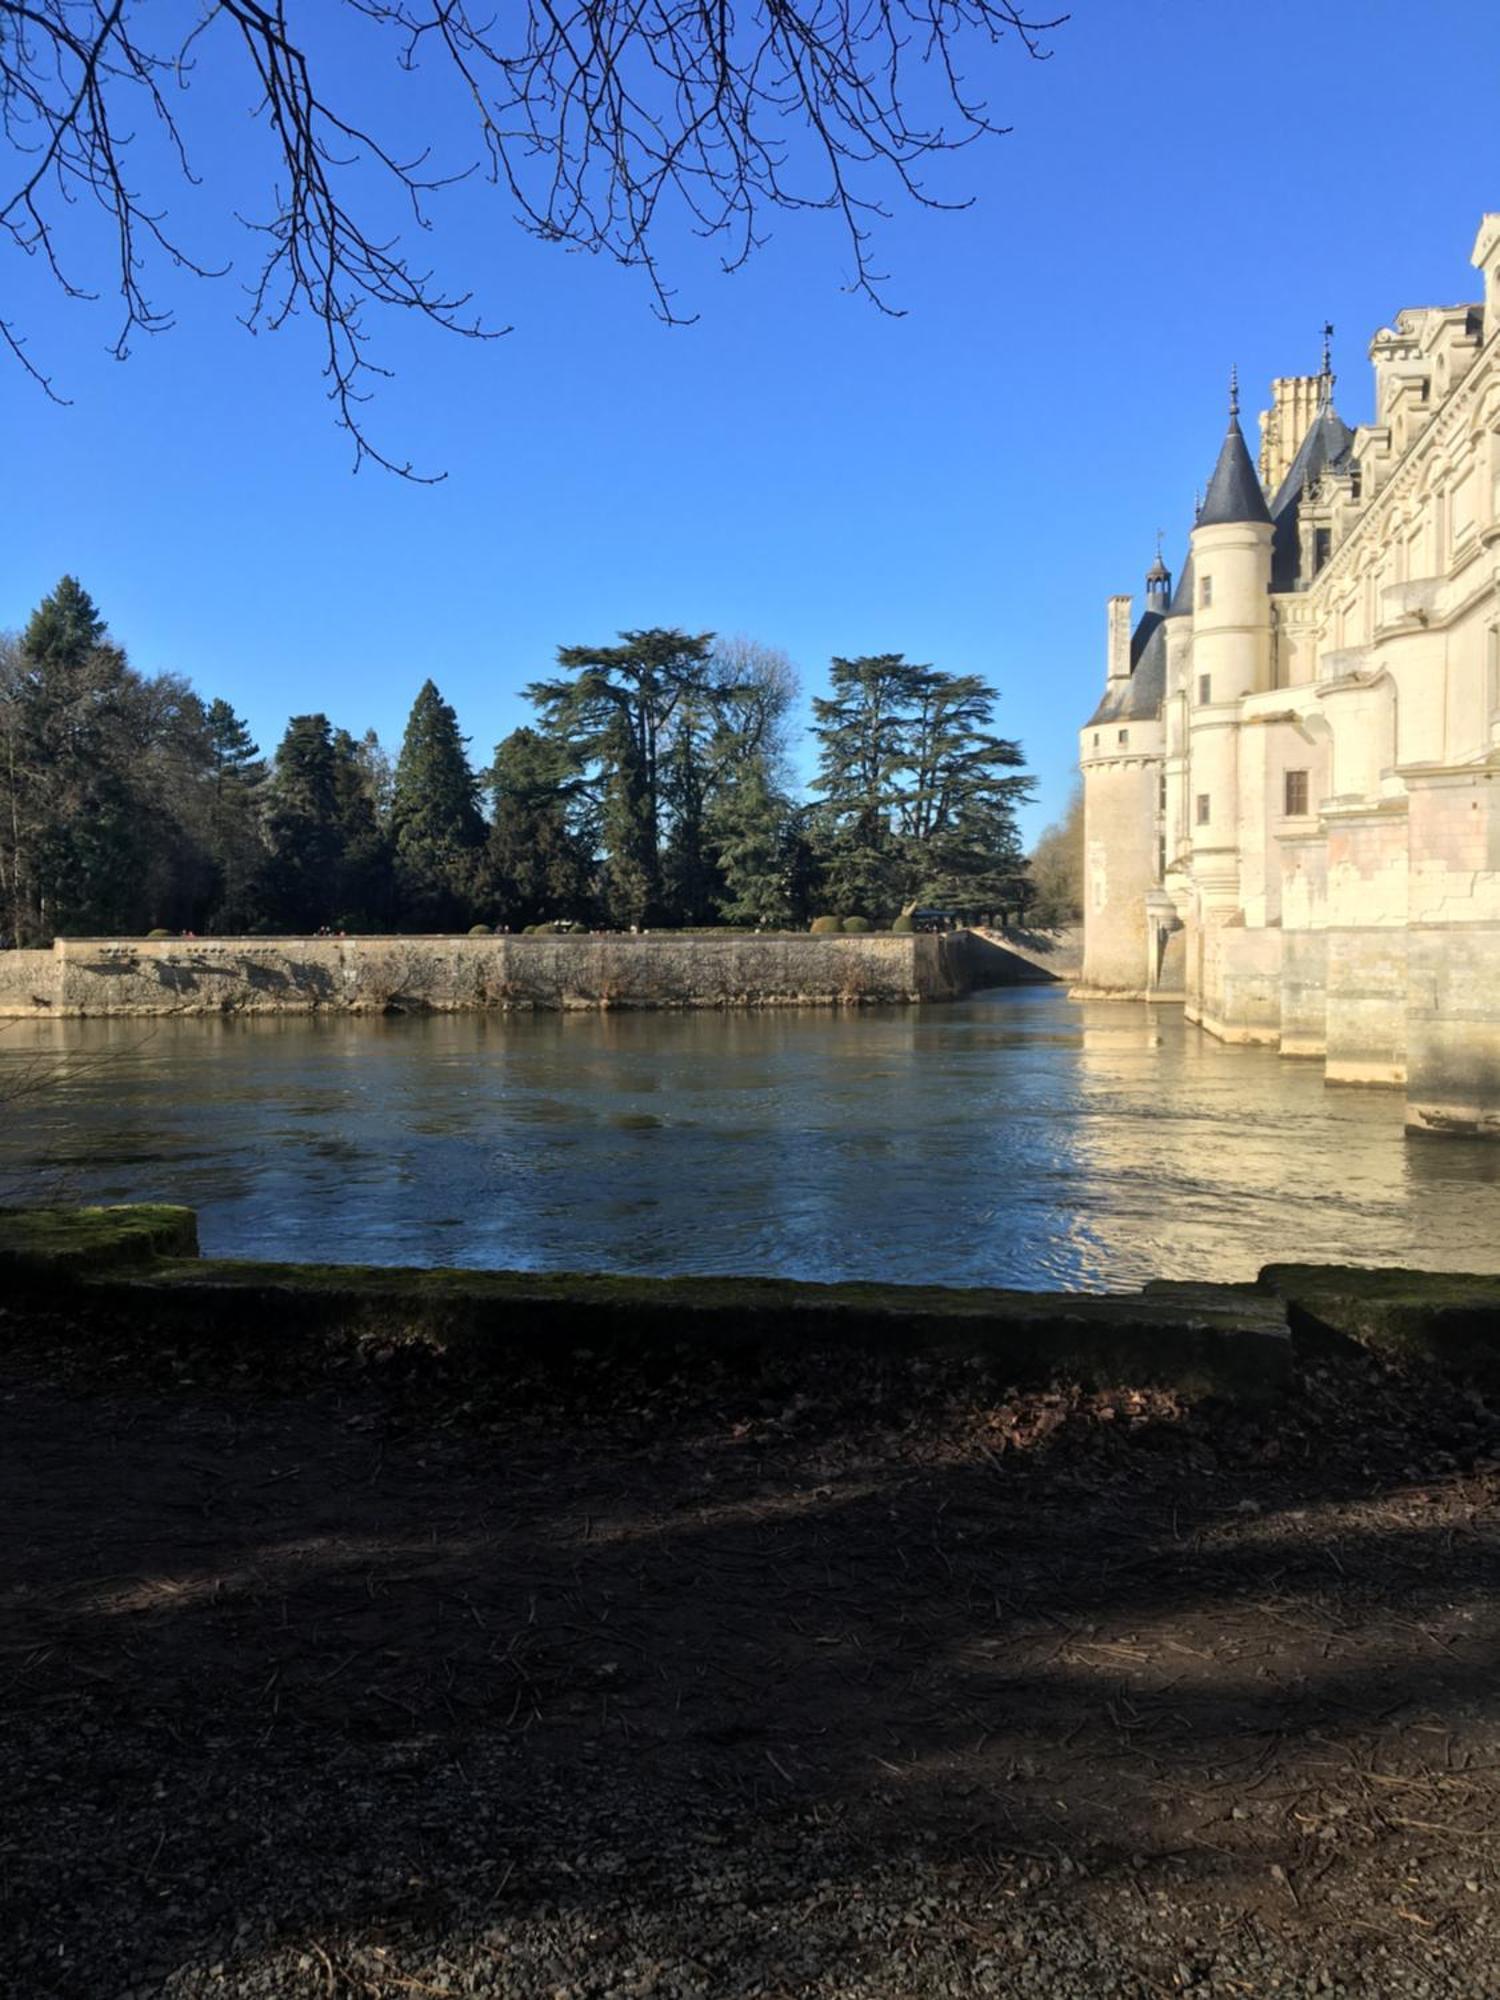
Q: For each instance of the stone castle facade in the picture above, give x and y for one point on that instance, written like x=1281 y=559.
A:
x=1292 y=782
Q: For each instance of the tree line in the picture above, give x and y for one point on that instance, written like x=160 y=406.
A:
x=651 y=789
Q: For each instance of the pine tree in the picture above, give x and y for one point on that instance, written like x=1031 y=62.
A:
x=236 y=755
x=237 y=774
x=437 y=828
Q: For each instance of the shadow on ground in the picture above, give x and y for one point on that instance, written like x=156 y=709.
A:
x=873 y=1684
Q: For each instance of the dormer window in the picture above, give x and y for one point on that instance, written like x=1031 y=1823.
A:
x=1322 y=548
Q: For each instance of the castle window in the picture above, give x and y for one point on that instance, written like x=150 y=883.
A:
x=1205 y=689
x=1124 y=736
x=1161 y=792
x=1322 y=547
x=1294 y=793
x=1492 y=668
x=1205 y=593
x=1203 y=809
x=1096 y=739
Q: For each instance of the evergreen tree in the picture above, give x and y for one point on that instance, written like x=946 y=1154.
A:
x=235 y=756
x=958 y=789
x=75 y=833
x=437 y=829
x=760 y=853
x=304 y=838
x=919 y=794
x=538 y=863
x=616 y=720
x=861 y=729
x=237 y=774
x=364 y=896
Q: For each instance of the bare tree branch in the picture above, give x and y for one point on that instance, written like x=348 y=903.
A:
x=593 y=116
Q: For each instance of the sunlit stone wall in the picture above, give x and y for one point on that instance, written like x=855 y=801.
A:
x=91 y=976
x=28 y=982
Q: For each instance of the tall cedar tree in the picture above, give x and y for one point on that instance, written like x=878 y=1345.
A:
x=919 y=794
x=861 y=730
x=436 y=826
x=616 y=719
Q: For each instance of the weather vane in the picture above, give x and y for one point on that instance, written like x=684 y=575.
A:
x=1326 y=378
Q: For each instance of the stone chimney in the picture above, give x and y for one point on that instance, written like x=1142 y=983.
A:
x=1294 y=405
x=1119 y=639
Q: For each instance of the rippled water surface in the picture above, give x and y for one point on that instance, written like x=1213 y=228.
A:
x=1015 y=1138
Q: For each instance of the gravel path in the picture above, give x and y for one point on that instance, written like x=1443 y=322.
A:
x=841 y=1683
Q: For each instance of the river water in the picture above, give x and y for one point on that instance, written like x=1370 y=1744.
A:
x=1015 y=1138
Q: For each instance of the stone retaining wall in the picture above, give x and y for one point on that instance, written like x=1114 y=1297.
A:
x=28 y=982
x=107 y=976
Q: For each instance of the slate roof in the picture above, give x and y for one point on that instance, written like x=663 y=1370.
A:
x=1329 y=445
x=1234 y=492
x=1139 y=699
x=1182 y=596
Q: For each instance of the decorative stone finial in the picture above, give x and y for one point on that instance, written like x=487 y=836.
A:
x=1234 y=391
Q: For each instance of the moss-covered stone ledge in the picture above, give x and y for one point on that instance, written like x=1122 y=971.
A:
x=142 y=1265
x=62 y=1243
x=1446 y=1320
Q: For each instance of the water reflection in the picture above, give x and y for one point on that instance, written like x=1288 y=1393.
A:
x=1013 y=1139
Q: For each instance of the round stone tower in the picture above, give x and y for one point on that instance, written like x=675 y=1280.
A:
x=1231 y=658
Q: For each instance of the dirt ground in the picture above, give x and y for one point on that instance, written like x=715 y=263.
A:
x=815 y=1680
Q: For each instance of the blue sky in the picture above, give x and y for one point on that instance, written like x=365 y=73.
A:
x=1188 y=184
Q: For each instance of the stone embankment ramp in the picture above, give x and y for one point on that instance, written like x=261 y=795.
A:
x=1026 y=957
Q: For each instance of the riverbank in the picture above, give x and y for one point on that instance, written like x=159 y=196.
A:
x=689 y=1672
x=89 y=978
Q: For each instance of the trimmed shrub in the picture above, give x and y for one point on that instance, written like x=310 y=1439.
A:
x=158 y=933
x=855 y=926
x=903 y=926
x=480 y=930
x=824 y=927
x=530 y=931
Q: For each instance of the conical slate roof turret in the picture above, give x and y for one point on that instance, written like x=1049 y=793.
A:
x=1234 y=492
